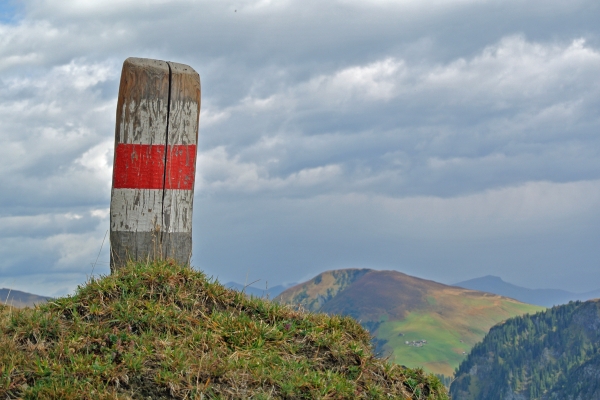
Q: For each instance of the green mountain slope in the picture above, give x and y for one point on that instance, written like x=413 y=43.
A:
x=552 y=355
x=163 y=331
x=418 y=322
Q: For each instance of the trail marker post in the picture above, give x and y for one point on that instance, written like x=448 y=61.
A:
x=154 y=166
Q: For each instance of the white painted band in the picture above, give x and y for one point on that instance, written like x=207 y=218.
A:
x=141 y=210
x=150 y=124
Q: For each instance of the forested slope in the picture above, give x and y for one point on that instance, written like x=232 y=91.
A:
x=553 y=354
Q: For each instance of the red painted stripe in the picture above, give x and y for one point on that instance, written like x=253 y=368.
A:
x=139 y=166
x=181 y=167
x=142 y=166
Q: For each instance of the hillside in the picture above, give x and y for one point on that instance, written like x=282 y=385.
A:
x=540 y=297
x=16 y=298
x=553 y=355
x=417 y=321
x=162 y=331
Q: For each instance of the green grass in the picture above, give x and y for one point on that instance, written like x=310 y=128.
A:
x=163 y=331
x=446 y=339
x=443 y=351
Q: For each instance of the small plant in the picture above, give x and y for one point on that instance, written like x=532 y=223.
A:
x=163 y=331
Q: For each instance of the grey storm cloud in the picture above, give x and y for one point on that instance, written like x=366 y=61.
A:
x=446 y=139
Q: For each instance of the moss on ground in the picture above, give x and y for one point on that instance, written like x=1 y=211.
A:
x=163 y=331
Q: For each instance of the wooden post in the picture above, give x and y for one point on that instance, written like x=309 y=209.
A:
x=155 y=162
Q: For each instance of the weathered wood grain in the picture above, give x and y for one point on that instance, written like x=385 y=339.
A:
x=142 y=106
x=185 y=104
x=156 y=135
x=183 y=130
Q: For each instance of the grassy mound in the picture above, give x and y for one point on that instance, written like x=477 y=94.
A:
x=163 y=331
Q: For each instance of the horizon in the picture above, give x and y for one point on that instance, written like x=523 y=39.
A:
x=288 y=285
x=446 y=140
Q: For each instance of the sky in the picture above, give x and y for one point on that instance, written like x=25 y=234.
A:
x=444 y=139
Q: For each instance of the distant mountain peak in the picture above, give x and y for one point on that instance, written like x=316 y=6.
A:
x=493 y=278
x=20 y=299
x=486 y=278
x=542 y=297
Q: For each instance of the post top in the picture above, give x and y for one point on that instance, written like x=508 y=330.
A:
x=160 y=64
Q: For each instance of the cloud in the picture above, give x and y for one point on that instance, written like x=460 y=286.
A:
x=540 y=226
x=221 y=172
x=56 y=126
x=502 y=117
x=54 y=252
x=441 y=138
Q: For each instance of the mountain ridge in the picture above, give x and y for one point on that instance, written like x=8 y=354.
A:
x=541 y=297
x=417 y=322
x=19 y=299
x=269 y=292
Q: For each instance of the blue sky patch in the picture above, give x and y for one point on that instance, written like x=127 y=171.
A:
x=9 y=12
